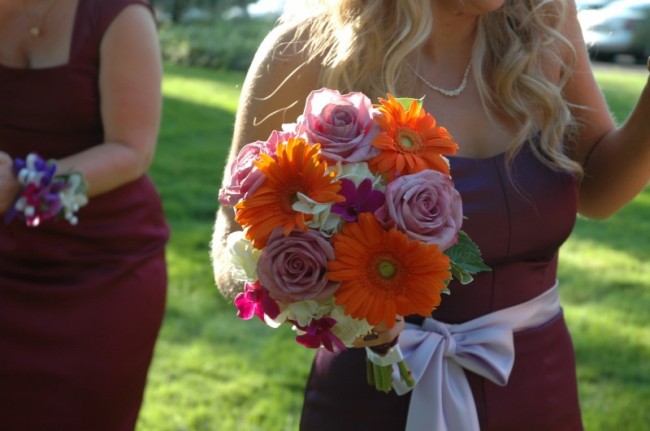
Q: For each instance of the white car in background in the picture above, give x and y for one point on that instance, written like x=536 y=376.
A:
x=621 y=27
x=592 y=4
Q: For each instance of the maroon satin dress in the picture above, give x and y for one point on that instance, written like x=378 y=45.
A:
x=80 y=306
x=519 y=219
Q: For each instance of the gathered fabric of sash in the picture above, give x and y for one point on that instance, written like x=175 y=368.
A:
x=437 y=354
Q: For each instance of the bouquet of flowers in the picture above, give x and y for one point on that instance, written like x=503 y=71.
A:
x=350 y=220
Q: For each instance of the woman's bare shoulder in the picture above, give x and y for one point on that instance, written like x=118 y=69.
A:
x=281 y=76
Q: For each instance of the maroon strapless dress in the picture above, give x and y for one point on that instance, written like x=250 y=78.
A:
x=80 y=306
x=519 y=219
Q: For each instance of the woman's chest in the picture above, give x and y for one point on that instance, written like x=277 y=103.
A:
x=478 y=134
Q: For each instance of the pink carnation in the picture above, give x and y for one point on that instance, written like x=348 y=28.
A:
x=425 y=206
x=341 y=124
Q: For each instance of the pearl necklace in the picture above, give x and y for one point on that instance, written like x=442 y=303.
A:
x=455 y=92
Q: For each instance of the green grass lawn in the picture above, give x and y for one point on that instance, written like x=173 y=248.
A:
x=214 y=372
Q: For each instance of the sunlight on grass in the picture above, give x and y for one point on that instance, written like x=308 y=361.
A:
x=217 y=88
x=591 y=256
x=613 y=353
x=595 y=320
x=621 y=90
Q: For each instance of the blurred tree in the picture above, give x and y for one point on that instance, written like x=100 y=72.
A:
x=176 y=8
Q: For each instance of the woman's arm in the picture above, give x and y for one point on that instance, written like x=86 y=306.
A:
x=130 y=94
x=616 y=160
x=273 y=93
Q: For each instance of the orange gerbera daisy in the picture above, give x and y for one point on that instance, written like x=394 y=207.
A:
x=384 y=273
x=410 y=141
x=296 y=168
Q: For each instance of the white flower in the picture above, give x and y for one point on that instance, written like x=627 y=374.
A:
x=303 y=312
x=322 y=217
x=243 y=257
x=289 y=127
x=275 y=323
x=348 y=328
x=31 y=174
x=73 y=197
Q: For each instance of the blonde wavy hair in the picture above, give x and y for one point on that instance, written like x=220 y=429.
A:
x=363 y=44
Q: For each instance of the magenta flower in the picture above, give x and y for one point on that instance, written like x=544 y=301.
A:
x=358 y=200
x=255 y=300
x=319 y=333
x=342 y=124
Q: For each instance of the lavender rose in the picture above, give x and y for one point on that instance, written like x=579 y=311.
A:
x=341 y=124
x=294 y=268
x=425 y=206
x=245 y=178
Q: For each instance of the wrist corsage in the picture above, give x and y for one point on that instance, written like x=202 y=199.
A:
x=46 y=194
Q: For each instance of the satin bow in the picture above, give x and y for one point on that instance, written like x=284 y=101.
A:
x=437 y=352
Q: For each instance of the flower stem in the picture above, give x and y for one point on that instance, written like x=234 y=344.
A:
x=370 y=372
x=405 y=373
x=387 y=378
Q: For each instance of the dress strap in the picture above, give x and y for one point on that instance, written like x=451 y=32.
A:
x=92 y=19
x=109 y=10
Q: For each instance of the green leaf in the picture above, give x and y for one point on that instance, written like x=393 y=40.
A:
x=465 y=259
x=460 y=274
x=406 y=102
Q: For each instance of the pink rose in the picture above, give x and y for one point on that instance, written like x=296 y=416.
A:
x=245 y=178
x=341 y=124
x=277 y=137
x=425 y=206
x=294 y=268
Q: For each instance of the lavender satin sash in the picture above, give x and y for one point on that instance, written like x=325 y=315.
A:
x=437 y=352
